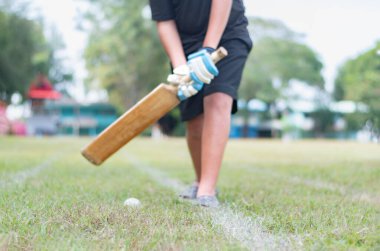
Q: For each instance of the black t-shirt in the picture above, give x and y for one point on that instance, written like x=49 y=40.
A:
x=192 y=17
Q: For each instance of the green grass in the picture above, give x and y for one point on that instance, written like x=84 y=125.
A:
x=308 y=189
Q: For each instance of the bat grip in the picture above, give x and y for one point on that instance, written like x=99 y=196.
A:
x=219 y=54
x=216 y=56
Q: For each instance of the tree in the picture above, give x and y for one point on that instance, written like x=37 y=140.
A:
x=24 y=52
x=46 y=60
x=123 y=55
x=359 y=80
x=279 y=56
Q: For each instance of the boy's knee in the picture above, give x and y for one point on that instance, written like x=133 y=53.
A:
x=218 y=102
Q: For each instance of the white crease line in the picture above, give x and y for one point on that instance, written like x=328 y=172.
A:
x=248 y=231
x=20 y=177
x=317 y=184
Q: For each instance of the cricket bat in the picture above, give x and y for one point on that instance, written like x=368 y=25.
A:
x=142 y=115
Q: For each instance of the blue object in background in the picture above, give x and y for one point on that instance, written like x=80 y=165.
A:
x=237 y=127
x=253 y=132
x=236 y=132
x=84 y=120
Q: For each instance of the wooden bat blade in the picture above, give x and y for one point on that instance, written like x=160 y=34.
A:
x=146 y=112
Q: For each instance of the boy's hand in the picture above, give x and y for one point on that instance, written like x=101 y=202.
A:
x=202 y=68
x=178 y=75
x=185 y=89
x=202 y=71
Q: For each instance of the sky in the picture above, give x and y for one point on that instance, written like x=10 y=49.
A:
x=337 y=30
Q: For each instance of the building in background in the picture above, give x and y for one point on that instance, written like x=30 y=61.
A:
x=296 y=119
x=40 y=94
x=73 y=118
x=54 y=113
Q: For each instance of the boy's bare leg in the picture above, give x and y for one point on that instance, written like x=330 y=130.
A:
x=216 y=128
x=194 y=143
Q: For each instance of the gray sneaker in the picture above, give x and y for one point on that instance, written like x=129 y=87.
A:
x=208 y=201
x=190 y=193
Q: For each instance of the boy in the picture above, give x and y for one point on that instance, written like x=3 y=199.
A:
x=193 y=29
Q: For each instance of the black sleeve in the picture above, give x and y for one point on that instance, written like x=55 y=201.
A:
x=162 y=10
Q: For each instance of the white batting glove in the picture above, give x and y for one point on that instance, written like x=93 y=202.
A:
x=178 y=74
x=202 y=68
x=185 y=89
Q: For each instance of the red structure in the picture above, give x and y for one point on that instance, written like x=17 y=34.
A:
x=42 y=89
x=41 y=93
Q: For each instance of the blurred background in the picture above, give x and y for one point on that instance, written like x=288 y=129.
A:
x=72 y=67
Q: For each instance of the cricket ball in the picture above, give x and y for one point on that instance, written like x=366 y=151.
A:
x=132 y=202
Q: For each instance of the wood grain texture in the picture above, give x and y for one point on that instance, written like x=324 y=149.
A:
x=146 y=112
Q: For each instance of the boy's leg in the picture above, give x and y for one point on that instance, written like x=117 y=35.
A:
x=216 y=128
x=194 y=143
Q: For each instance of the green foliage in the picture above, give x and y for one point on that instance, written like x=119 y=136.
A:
x=24 y=52
x=324 y=120
x=47 y=62
x=124 y=54
x=359 y=80
x=18 y=41
x=279 y=54
x=355 y=121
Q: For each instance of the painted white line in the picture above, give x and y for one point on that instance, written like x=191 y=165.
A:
x=317 y=184
x=20 y=177
x=248 y=231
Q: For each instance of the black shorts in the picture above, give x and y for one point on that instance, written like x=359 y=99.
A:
x=228 y=81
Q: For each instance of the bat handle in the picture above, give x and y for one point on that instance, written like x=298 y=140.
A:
x=219 y=54
x=216 y=56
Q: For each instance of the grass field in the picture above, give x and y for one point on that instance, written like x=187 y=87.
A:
x=307 y=195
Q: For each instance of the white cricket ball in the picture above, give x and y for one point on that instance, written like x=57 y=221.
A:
x=132 y=202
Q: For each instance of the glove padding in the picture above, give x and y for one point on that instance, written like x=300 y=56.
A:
x=201 y=69
x=178 y=74
x=185 y=89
